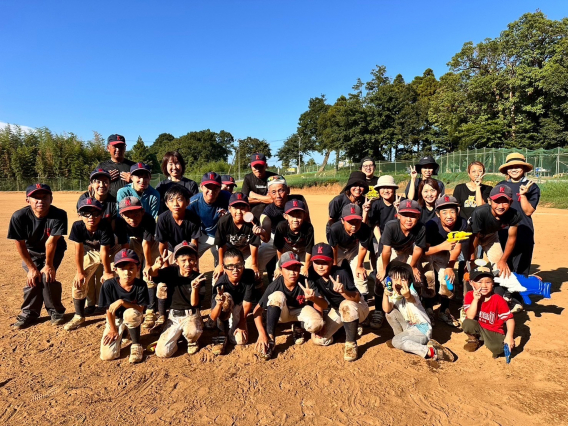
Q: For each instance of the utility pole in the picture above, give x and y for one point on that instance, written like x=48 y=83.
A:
x=299 y=155
x=239 y=159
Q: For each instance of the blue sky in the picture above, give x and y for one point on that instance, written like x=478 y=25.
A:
x=247 y=67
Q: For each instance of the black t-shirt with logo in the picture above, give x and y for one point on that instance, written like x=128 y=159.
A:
x=103 y=235
x=109 y=165
x=26 y=226
x=109 y=206
x=242 y=291
x=533 y=197
x=276 y=214
x=325 y=288
x=256 y=185
x=111 y=291
x=380 y=214
x=395 y=238
x=179 y=287
x=294 y=298
x=436 y=234
x=467 y=199
x=168 y=231
x=339 y=237
x=145 y=231
x=229 y=234
x=300 y=242
x=483 y=222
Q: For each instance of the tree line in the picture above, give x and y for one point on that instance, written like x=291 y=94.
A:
x=506 y=92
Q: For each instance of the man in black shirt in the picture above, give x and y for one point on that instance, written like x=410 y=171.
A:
x=180 y=285
x=350 y=240
x=346 y=306
x=368 y=167
x=124 y=299
x=287 y=299
x=232 y=300
x=118 y=166
x=38 y=230
x=254 y=184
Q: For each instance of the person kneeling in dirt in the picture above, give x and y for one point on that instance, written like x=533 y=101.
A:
x=232 y=300
x=179 y=285
x=124 y=299
x=407 y=317
x=347 y=306
x=287 y=299
x=486 y=313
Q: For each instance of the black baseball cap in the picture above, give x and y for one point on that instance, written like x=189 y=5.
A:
x=257 y=158
x=228 y=180
x=289 y=259
x=294 y=205
x=322 y=251
x=137 y=167
x=36 y=187
x=211 y=178
x=482 y=269
x=238 y=198
x=183 y=248
x=129 y=203
x=91 y=203
x=501 y=191
x=446 y=201
x=126 y=255
x=99 y=172
x=351 y=211
x=409 y=206
x=116 y=139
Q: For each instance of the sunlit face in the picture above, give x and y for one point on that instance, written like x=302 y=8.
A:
x=500 y=205
x=322 y=267
x=475 y=172
x=357 y=191
x=238 y=211
x=40 y=202
x=429 y=194
x=234 y=268
x=228 y=188
x=427 y=171
x=387 y=194
x=186 y=263
x=408 y=220
x=210 y=192
x=279 y=194
x=398 y=282
x=176 y=203
x=127 y=271
x=291 y=273
x=259 y=170
x=140 y=181
x=117 y=151
x=516 y=172
x=295 y=219
x=485 y=284
x=90 y=217
x=352 y=225
x=133 y=217
x=174 y=168
x=100 y=185
x=368 y=167
x=448 y=216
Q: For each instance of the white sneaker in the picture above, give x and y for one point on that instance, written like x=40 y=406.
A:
x=136 y=353
x=192 y=348
x=75 y=323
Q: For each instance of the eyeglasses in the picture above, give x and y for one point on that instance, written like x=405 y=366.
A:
x=234 y=266
x=90 y=214
x=368 y=166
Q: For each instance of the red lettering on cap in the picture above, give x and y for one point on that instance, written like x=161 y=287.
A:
x=408 y=204
x=295 y=203
x=38 y=185
x=292 y=256
x=210 y=175
x=258 y=157
x=320 y=250
x=446 y=198
x=89 y=201
x=127 y=201
x=502 y=189
x=185 y=243
x=100 y=170
x=240 y=196
x=123 y=254
x=140 y=165
x=352 y=210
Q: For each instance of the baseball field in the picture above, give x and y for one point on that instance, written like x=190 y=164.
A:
x=50 y=376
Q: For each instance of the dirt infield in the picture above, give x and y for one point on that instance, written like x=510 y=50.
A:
x=50 y=376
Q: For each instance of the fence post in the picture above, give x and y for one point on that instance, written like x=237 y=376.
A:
x=558 y=162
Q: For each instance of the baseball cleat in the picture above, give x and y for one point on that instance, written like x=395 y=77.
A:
x=136 y=353
x=75 y=323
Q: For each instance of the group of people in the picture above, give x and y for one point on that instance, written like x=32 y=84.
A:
x=138 y=250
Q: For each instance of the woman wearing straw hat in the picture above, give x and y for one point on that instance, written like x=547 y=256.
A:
x=526 y=195
x=427 y=167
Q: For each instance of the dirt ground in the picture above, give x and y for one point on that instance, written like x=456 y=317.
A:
x=50 y=376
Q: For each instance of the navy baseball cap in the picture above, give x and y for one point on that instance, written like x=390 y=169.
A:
x=116 y=139
x=228 y=180
x=36 y=187
x=238 y=198
x=351 y=211
x=90 y=203
x=501 y=191
x=126 y=255
x=211 y=178
x=322 y=251
x=409 y=206
x=289 y=259
x=257 y=158
x=99 y=172
x=294 y=205
x=129 y=203
x=482 y=269
x=137 y=167
x=446 y=201
x=183 y=248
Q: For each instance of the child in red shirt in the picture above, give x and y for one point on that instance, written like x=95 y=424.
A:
x=486 y=314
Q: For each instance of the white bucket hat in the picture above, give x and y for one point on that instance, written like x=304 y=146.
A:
x=386 y=181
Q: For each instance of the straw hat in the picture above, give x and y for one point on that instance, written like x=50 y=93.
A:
x=515 y=159
x=386 y=181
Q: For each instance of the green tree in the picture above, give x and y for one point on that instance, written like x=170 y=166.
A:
x=141 y=153
x=288 y=153
x=248 y=146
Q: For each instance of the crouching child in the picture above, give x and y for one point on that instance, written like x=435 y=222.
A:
x=179 y=288
x=346 y=305
x=486 y=314
x=124 y=299
x=407 y=317
x=287 y=299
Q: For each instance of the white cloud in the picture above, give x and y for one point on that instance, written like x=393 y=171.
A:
x=13 y=126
